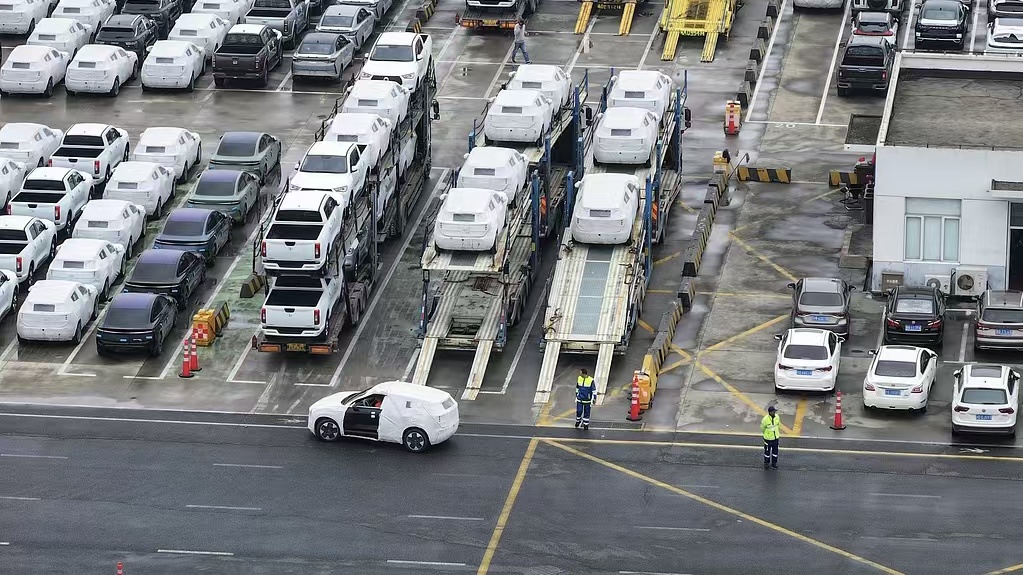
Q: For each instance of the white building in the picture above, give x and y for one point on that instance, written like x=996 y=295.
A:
x=949 y=175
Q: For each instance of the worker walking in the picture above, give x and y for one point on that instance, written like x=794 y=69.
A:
x=585 y=392
x=770 y=426
x=520 y=42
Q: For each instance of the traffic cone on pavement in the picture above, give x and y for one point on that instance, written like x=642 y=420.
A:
x=120 y=568
x=838 y=424
x=186 y=362
x=193 y=361
x=634 y=405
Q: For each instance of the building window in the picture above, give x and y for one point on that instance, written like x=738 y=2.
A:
x=932 y=229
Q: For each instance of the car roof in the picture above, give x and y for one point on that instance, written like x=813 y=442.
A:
x=614 y=182
x=170 y=47
x=15 y=222
x=246 y=29
x=134 y=300
x=220 y=176
x=305 y=200
x=320 y=38
x=343 y=10
x=352 y=122
x=76 y=248
x=49 y=173
x=1003 y=298
x=92 y=51
x=87 y=128
x=152 y=256
x=512 y=97
x=328 y=148
x=637 y=79
x=133 y=171
x=861 y=40
x=105 y=208
x=984 y=375
x=490 y=156
x=898 y=353
x=54 y=25
x=241 y=137
x=624 y=116
x=51 y=290
x=867 y=16
x=29 y=51
x=160 y=135
x=469 y=200
x=21 y=129
x=397 y=38
x=411 y=391
x=189 y=215
x=916 y=292
x=807 y=336
x=375 y=88
x=826 y=285
x=942 y=4
x=195 y=18
x=536 y=71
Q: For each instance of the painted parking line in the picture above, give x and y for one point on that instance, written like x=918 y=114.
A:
x=445 y=518
x=842 y=28
x=913 y=495
x=13 y=498
x=509 y=504
x=191 y=552
x=223 y=507
x=425 y=563
x=756 y=253
x=28 y=456
x=962 y=344
x=767 y=58
x=247 y=466
x=747 y=333
x=656 y=528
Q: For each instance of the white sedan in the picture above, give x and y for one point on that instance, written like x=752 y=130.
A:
x=173 y=148
x=900 y=377
x=12 y=176
x=100 y=69
x=415 y=416
x=115 y=221
x=202 y=29
x=985 y=399
x=33 y=70
x=21 y=16
x=144 y=183
x=8 y=293
x=470 y=219
x=63 y=34
x=232 y=11
x=518 y=116
x=552 y=81
x=808 y=360
x=91 y=13
x=369 y=130
x=56 y=310
x=173 y=64
x=95 y=263
x=30 y=144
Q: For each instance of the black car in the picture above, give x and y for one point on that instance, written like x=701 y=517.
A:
x=198 y=230
x=132 y=32
x=136 y=322
x=168 y=272
x=866 y=64
x=914 y=316
x=943 y=24
x=163 y=12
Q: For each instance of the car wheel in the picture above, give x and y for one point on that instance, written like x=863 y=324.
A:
x=53 y=249
x=106 y=290
x=219 y=82
x=101 y=351
x=327 y=429
x=923 y=409
x=415 y=440
x=69 y=91
x=843 y=92
x=124 y=266
x=32 y=272
x=191 y=85
x=158 y=212
x=77 y=339
x=116 y=88
x=14 y=300
x=198 y=155
x=40 y=164
x=48 y=91
x=264 y=80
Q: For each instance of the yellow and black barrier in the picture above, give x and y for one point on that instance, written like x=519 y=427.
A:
x=752 y=72
x=253 y=285
x=838 y=178
x=661 y=347
x=208 y=324
x=415 y=26
x=426 y=11
x=767 y=175
x=687 y=293
x=693 y=255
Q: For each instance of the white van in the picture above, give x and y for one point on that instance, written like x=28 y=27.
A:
x=500 y=169
x=625 y=136
x=518 y=116
x=605 y=208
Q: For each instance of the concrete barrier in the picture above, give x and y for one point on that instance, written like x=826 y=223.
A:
x=744 y=95
x=758 y=51
x=661 y=347
x=752 y=73
x=253 y=285
x=713 y=196
x=765 y=29
x=693 y=255
x=426 y=10
x=687 y=293
x=772 y=8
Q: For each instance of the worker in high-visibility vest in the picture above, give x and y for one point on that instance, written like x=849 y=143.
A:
x=585 y=392
x=770 y=426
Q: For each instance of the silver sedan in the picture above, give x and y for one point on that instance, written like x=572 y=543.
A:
x=377 y=7
x=353 y=22
x=322 y=55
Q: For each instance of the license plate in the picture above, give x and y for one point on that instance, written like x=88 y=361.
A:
x=893 y=392
x=296 y=347
x=913 y=328
x=983 y=417
x=1005 y=332
x=804 y=372
x=819 y=318
x=490 y=22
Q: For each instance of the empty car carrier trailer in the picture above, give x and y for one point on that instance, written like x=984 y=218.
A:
x=595 y=295
x=471 y=299
x=357 y=265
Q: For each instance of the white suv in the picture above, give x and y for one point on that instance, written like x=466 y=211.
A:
x=985 y=399
x=338 y=167
x=402 y=57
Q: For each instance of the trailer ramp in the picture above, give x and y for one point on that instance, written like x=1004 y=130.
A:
x=707 y=18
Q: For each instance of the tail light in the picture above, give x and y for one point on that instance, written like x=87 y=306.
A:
x=917 y=389
x=980 y=324
x=262 y=315
x=868 y=386
x=884 y=74
x=95 y=167
x=17 y=262
x=1008 y=410
x=262 y=249
x=316 y=250
x=316 y=317
x=960 y=408
x=934 y=324
x=258 y=64
x=803 y=313
x=56 y=213
x=891 y=322
x=782 y=366
x=842 y=315
x=825 y=369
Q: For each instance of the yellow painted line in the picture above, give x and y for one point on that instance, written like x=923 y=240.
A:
x=797 y=423
x=746 y=333
x=762 y=257
x=724 y=508
x=686 y=206
x=667 y=258
x=821 y=196
x=765 y=295
x=673 y=366
x=509 y=503
x=738 y=394
x=543 y=418
x=685 y=354
x=662 y=291
x=645 y=326
x=1012 y=569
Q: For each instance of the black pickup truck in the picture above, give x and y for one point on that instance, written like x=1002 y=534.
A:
x=866 y=65
x=249 y=52
x=164 y=12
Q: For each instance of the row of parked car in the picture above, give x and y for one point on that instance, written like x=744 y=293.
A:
x=85 y=224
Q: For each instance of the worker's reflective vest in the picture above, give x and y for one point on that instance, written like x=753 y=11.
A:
x=585 y=389
x=771 y=427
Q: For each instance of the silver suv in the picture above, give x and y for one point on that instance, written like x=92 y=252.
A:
x=999 y=321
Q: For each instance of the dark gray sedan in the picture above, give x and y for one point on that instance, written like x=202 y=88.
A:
x=354 y=22
x=322 y=55
x=254 y=152
x=821 y=303
x=230 y=191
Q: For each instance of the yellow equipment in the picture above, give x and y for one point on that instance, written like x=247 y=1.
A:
x=208 y=324
x=628 y=8
x=708 y=18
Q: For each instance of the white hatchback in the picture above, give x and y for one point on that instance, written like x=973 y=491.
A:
x=500 y=169
x=116 y=221
x=808 y=360
x=550 y=80
x=176 y=149
x=33 y=70
x=100 y=69
x=56 y=310
x=518 y=116
x=206 y=31
x=21 y=16
x=147 y=184
x=900 y=377
x=470 y=219
x=647 y=89
x=626 y=136
x=415 y=416
x=384 y=98
x=91 y=13
x=95 y=263
x=985 y=399
x=605 y=209
x=173 y=64
x=63 y=34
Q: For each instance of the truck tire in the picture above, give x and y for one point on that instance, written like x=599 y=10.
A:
x=219 y=82
x=116 y=88
x=264 y=80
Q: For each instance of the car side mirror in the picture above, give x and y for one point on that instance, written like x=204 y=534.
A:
x=1014 y=376
x=791 y=285
x=872 y=352
x=933 y=355
x=852 y=288
x=958 y=373
x=443 y=197
x=841 y=338
x=888 y=292
x=778 y=336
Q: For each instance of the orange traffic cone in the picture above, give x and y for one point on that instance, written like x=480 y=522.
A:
x=634 y=405
x=838 y=425
x=186 y=363
x=193 y=361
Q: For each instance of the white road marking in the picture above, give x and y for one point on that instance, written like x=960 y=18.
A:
x=794 y=124
x=973 y=30
x=458 y=475
x=140 y=420
x=294 y=404
x=247 y=466
x=919 y=539
x=579 y=50
x=4 y=543
x=8 y=351
x=909 y=21
x=152 y=377
x=252 y=381
x=22 y=456
x=411 y=364
x=843 y=26
x=767 y=58
x=76 y=374
x=224 y=507
x=314 y=385
x=671 y=528
x=649 y=44
x=335 y=378
x=238 y=364
x=962 y=344
x=880 y=333
x=187 y=552
x=430 y=563
x=446 y=518
x=500 y=71
x=518 y=352
x=913 y=495
x=12 y=498
x=284 y=82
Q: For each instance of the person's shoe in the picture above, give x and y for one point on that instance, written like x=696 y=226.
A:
x=529 y=62
x=586 y=426
x=577 y=424
x=774 y=465
x=765 y=465
x=515 y=62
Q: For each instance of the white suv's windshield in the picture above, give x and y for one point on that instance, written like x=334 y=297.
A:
x=325 y=165
x=387 y=53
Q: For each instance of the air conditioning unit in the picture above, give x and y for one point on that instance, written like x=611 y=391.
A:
x=970 y=281
x=941 y=282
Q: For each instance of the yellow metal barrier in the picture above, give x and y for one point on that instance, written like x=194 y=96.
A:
x=628 y=12
x=585 y=9
x=707 y=18
x=208 y=324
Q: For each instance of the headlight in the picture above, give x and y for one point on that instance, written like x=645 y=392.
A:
x=294 y=188
x=340 y=189
x=365 y=76
x=959 y=36
x=408 y=76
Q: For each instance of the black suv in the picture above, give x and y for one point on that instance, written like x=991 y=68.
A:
x=163 y=12
x=943 y=24
x=132 y=32
x=914 y=316
x=866 y=64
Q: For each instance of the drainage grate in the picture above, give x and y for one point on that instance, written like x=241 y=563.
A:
x=616 y=424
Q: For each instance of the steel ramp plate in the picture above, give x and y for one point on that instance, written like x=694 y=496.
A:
x=425 y=361
x=584 y=17
x=628 y=12
x=592 y=287
x=478 y=370
x=546 y=380
x=603 y=371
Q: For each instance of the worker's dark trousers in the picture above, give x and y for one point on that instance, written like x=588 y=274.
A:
x=771 y=452
x=582 y=413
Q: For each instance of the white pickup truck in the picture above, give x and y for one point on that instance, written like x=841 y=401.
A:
x=26 y=243
x=339 y=167
x=402 y=57
x=95 y=149
x=55 y=194
x=300 y=307
x=305 y=232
